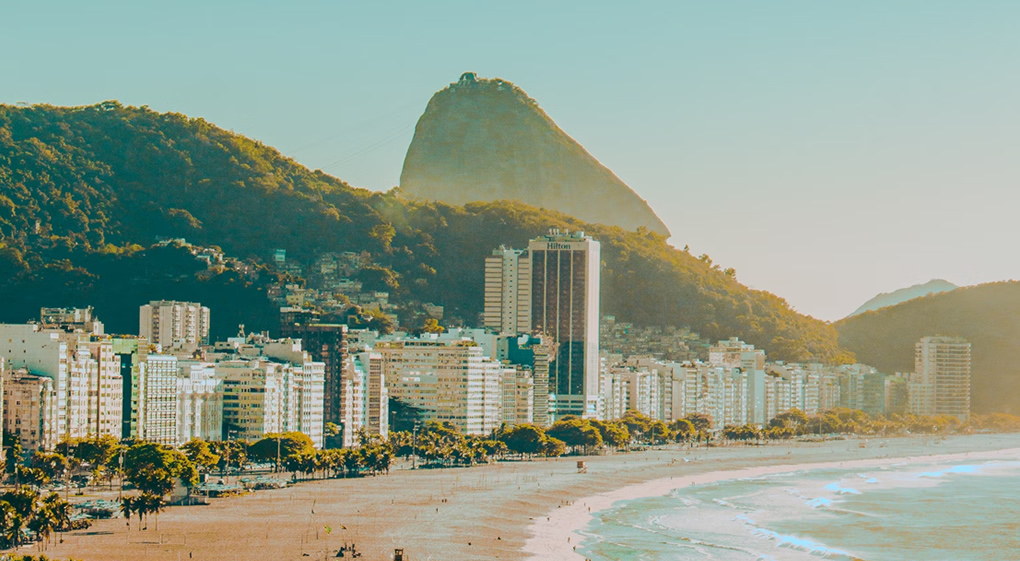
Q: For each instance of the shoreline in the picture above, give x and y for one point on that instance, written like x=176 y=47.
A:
x=483 y=512
x=556 y=537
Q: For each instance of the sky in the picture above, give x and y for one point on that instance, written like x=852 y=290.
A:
x=827 y=151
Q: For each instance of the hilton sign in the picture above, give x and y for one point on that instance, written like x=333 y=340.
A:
x=556 y=245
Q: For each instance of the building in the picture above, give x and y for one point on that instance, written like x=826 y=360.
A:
x=565 y=269
x=30 y=409
x=155 y=401
x=942 y=364
x=735 y=354
x=199 y=402
x=508 y=291
x=178 y=327
x=446 y=381
x=325 y=343
x=71 y=319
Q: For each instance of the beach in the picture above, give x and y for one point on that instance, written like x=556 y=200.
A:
x=507 y=510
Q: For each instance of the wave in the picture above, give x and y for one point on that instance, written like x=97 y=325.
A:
x=835 y=488
x=954 y=469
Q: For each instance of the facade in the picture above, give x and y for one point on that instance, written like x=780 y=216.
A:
x=325 y=343
x=30 y=409
x=508 y=291
x=565 y=269
x=445 y=381
x=943 y=365
x=85 y=373
x=734 y=353
x=155 y=401
x=199 y=402
x=179 y=327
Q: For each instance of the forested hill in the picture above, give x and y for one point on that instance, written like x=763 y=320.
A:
x=987 y=315
x=85 y=192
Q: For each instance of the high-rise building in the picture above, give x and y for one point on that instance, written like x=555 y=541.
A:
x=943 y=363
x=446 y=381
x=736 y=354
x=30 y=409
x=326 y=343
x=154 y=416
x=179 y=327
x=508 y=291
x=565 y=270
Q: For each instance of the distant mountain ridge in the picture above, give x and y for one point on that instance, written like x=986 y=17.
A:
x=987 y=315
x=486 y=140
x=934 y=286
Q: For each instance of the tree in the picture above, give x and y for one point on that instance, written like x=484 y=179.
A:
x=576 y=433
x=659 y=433
x=52 y=464
x=683 y=430
x=285 y=446
x=525 y=439
x=431 y=325
x=702 y=422
x=637 y=423
x=200 y=453
x=154 y=468
x=552 y=447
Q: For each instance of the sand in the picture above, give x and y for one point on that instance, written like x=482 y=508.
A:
x=509 y=510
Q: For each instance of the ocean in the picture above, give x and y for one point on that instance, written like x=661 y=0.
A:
x=952 y=511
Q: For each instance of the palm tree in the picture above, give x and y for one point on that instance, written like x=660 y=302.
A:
x=12 y=524
x=127 y=507
x=61 y=511
x=42 y=523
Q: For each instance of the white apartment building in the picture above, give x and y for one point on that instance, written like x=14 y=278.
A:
x=155 y=401
x=261 y=396
x=199 y=402
x=942 y=366
x=508 y=291
x=447 y=381
x=734 y=353
x=85 y=373
x=179 y=327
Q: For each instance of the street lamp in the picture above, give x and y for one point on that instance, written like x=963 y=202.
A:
x=120 y=494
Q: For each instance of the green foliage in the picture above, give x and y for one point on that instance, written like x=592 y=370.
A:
x=289 y=447
x=200 y=453
x=576 y=433
x=154 y=469
x=984 y=315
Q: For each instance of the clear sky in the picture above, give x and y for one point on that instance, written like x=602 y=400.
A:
x=826 y=150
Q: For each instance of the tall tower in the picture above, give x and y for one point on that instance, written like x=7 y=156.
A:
x=943 y=364
x=565 y=270
x=508 y=291
x=326 y=343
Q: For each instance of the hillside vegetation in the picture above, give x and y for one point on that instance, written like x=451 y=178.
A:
x=85 y=192
x=486 y=140
x=986 y=315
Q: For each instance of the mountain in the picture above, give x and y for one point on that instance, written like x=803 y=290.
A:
x=486 y=140
x=85 y=192
x=987 y=315
x=884 y=299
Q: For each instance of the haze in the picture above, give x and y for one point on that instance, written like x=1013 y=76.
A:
x=827 y=151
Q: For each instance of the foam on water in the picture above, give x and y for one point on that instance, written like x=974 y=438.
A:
x=913 y=511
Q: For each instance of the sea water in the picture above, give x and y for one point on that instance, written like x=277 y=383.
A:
x=948 y=511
